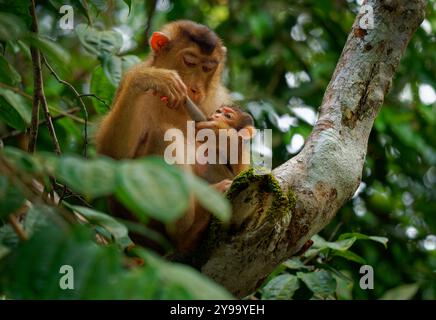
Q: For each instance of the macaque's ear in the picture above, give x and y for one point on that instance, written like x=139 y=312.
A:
x=158 y=40
x=224 y=49
x=247 y=132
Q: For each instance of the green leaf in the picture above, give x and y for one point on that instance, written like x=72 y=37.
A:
x=319 y=282
x=92 y=178
x=37 y=217
x=51 y=49
x=11 y=198
x=129 y=61
x=344 y=288
x=116 y=229
x=295 y=263
x=112 y=67
x=150 y=187
x=3 y=251
x=23 y=160
x=341 y=245
x=103 y=88
x=360 y=236
x=8 y=74
x=99 y=43
x=281 y=287
x=129 y=4
x=14 y=109
x=180 y=281
x=11 y=27
x=209 y=198
x=403 y=292
x=349 y=255
x=50 y=248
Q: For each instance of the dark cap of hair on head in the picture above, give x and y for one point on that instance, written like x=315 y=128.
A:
x=199 y=34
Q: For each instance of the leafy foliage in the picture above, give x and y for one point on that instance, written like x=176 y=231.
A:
x=281 y=56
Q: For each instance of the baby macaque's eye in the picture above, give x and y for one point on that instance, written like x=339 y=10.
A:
x=228 y=115
x=218 y=111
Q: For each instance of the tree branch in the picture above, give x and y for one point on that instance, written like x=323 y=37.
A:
x=267 y=228
x=38 y=93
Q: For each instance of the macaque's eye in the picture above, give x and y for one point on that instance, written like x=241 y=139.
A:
x=218 y=111
x=206 y=69
x=190 y=60
x=208 y=66
x=228 y=115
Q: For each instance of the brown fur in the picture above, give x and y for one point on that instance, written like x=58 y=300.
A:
x=136 y=124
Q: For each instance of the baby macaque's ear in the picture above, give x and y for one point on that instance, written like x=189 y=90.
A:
x=158 y=40
x=247 y=132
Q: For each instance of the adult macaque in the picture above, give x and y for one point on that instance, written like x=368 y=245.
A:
x=186 y=60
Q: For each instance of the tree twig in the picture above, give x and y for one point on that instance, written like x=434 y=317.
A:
x=15 y=133
x=38 y=93
x=82 y=104
x=92 y=95
x=36 y=63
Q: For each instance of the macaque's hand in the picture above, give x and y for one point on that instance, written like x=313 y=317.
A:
x=168 y=85
x=223 y=185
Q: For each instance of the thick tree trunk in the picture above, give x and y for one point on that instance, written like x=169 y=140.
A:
x=275 y=214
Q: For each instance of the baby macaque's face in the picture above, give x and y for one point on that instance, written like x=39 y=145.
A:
x=226 y=115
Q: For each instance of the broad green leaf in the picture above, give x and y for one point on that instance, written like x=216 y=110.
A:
x=150 y=187
x=295 y=263
x=49 y=249
x=8 y=237
x=129 y=61
x=344 y=287
x=11 y=198
x=209 y=198
x=90 y=177
x=349 y=255
x=3 y=251
x=360 y=236
x=11 y=27
x=23 y=160
x=112 y=67
x=403 y=292
x=14 y=110
x=319 y=282
x=181 y=281
x=341 y=245
x=99 y=43
x=281 y=287
x=49 y=48
x=103 y=88
x=118 y=231
x=8 y=74
x=129 y=4
x=37 y=217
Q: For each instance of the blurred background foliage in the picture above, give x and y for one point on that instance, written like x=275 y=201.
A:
x=281 y=56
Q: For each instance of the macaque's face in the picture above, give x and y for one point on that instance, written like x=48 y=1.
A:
x=226 y=115
x=196 y=71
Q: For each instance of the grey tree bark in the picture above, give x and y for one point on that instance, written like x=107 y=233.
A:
x=274 y=215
